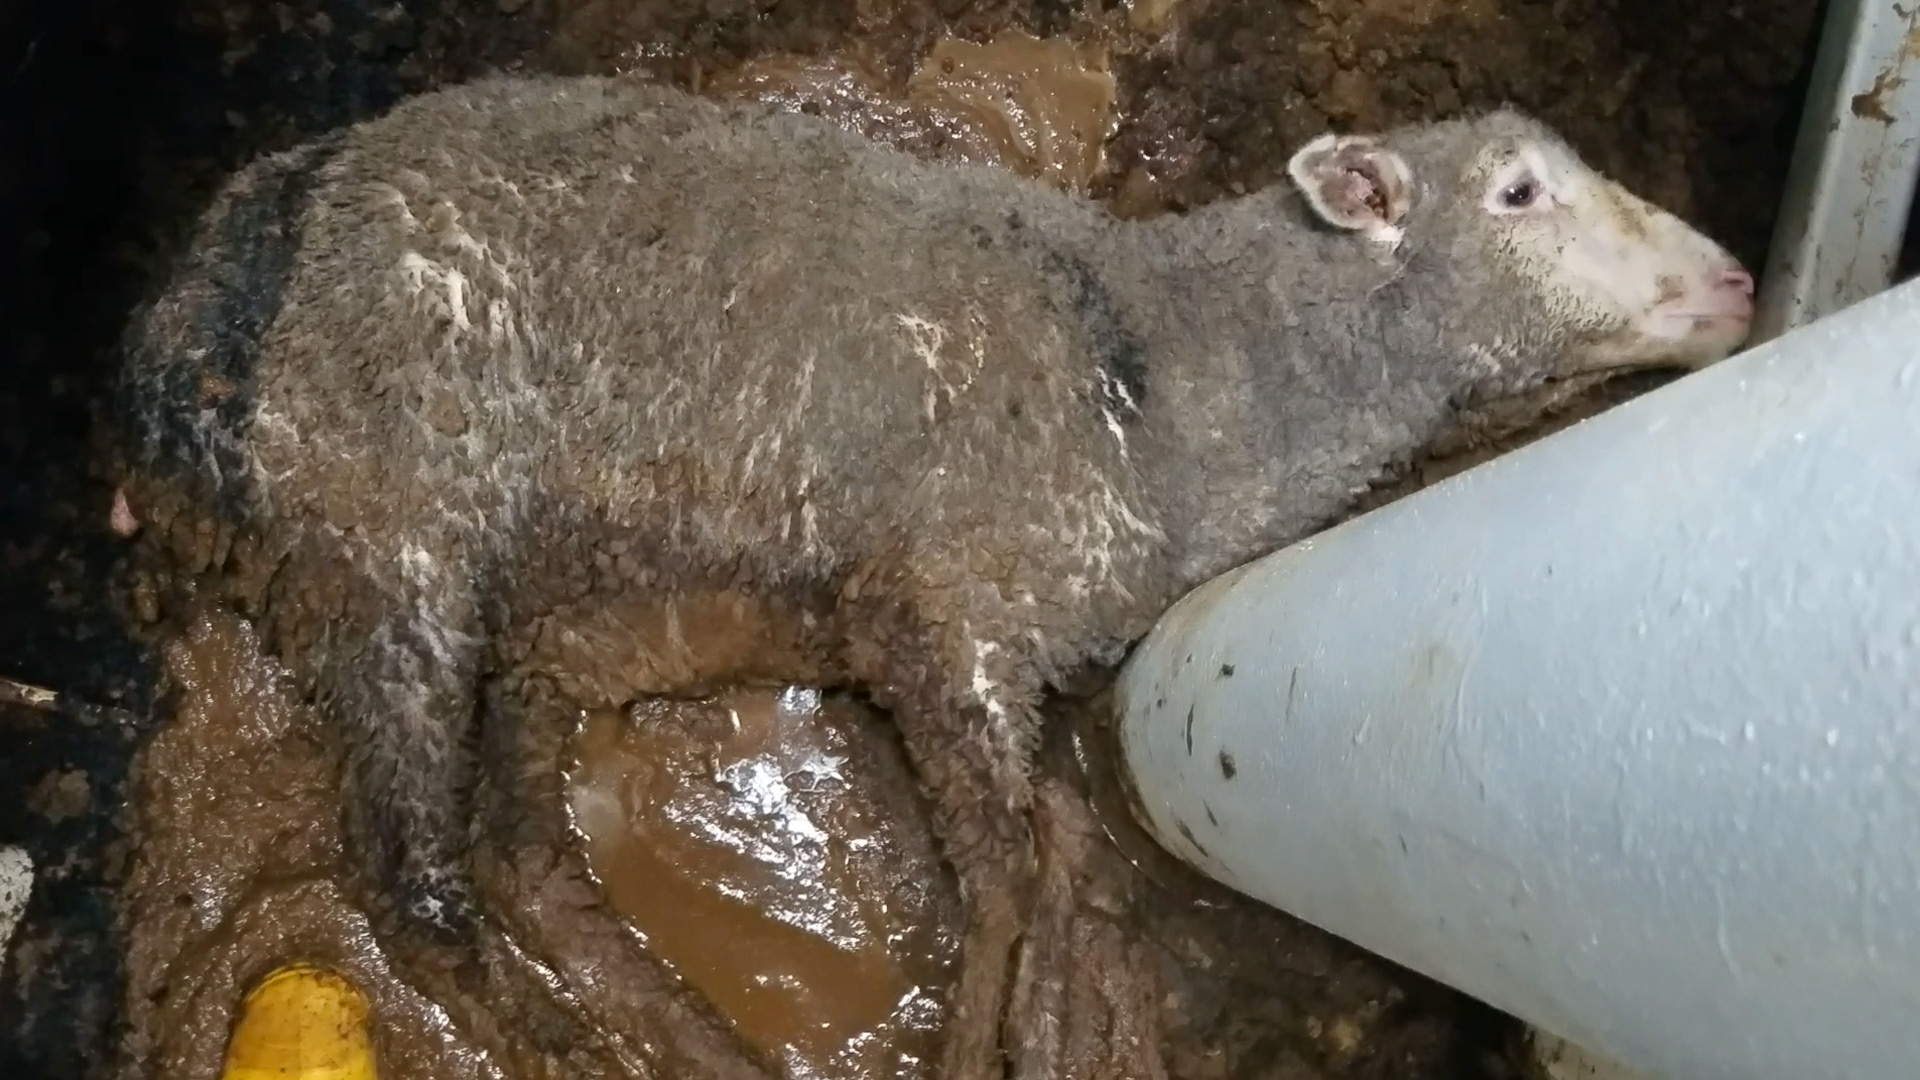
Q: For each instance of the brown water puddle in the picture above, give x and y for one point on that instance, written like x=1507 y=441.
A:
x=733 y=835
x=1041 y=107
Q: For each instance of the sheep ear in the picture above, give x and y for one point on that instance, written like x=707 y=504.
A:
x=1354 y=183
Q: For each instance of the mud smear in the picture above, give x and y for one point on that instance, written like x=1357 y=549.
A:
x=236 y=872
x=1043 y=108
x=1691 y=103
x=1048 y=105
x=771 y=848
x=737 y=839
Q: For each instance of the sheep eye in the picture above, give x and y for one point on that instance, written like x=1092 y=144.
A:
x=1520 y=194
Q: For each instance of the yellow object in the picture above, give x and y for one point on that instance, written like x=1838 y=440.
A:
x=301 y=1023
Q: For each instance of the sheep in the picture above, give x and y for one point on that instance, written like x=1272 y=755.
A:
x=534 y=373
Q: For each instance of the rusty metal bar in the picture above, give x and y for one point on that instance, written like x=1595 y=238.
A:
x=1844 y=212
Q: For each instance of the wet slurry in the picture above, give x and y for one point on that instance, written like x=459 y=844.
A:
x=740 y=839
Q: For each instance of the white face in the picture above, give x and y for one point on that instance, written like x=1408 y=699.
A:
x=1654 y=289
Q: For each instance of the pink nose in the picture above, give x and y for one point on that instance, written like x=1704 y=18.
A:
x=1737 y=280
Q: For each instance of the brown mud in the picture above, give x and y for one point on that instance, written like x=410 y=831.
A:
x=1042 y=107
x=237 y=871
x=823 y=945
x=773 y=850
x=769 y=848
x=1691 y=103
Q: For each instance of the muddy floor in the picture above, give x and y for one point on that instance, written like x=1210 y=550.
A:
x=119 y=115
x=768 y=848
x=772 y=849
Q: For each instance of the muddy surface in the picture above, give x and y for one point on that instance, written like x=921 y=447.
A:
x=771 y=847
x=119 y=117
x=1691 y=102
x=1042 y=107
x=767 y=847
x=237 y=871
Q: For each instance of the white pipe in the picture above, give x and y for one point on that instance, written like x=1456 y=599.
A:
x=1619 y=732
x=1848 y=192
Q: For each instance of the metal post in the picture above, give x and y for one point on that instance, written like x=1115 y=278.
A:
x=1619 y=732
x=1855 y=161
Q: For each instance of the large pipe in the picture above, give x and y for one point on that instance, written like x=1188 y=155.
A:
x=1619 y=732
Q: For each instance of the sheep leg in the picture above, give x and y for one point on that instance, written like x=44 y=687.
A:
x=965 y=714
x=1085 y=999
x=397 y=674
